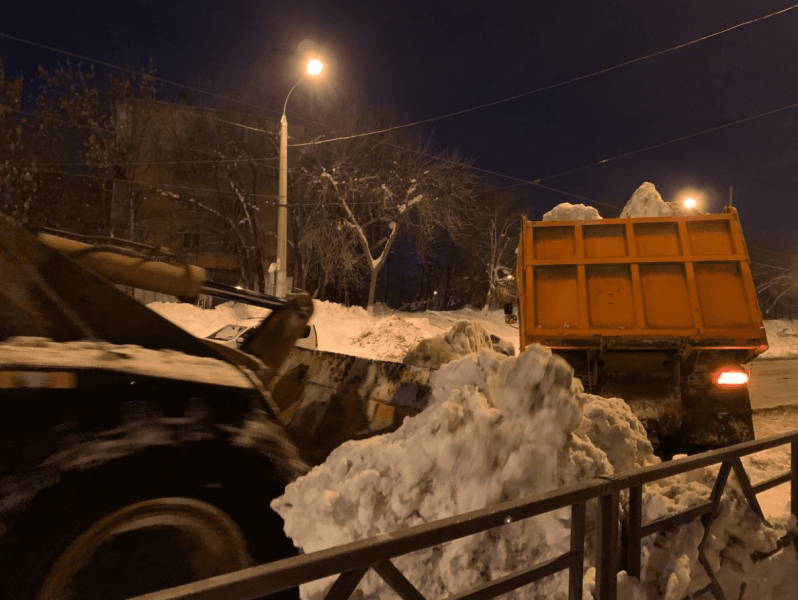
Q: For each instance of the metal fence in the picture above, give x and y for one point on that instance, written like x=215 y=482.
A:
x=352 y=561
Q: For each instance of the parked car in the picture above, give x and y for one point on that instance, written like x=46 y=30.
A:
x=235 y=334
x=502 y=346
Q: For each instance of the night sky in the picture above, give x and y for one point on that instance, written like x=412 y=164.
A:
x=425 y=60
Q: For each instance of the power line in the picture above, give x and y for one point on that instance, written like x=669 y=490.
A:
x=520 y=181
x=673 y=141
x=562 y=83
x=133 y=72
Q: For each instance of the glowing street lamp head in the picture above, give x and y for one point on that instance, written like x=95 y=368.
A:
x=315 y=66
x=689 y=203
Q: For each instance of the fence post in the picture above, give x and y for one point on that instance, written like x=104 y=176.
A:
x=633 y=527
x=794 y=478
x=576 y=572
x=607 y=545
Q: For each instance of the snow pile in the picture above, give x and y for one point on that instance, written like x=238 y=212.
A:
x=496 y=429
x=387 y=337
x=647 y=202
x=465 y=337
x=201 y=322
x=505 y=428
x=572 y=212
x=782 y=339
x=485 y=411
x=670 y=564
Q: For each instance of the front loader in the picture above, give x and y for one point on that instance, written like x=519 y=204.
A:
x=135 y=456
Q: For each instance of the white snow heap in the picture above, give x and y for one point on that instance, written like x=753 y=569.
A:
x=496 y=429
x=669 y=560
x=572 y=212
x=464 y=338
x=647 y=202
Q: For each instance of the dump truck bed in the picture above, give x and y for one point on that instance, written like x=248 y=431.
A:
x=638 y=283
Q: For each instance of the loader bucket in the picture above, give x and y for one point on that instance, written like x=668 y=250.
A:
x=326 y=398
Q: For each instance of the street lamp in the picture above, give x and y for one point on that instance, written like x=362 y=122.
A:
x=313 y=68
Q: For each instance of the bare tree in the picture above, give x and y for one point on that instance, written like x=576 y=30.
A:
x=776 y=279
x=502 y=238
x=369 y=189
x=234 y=171
x=17 y=162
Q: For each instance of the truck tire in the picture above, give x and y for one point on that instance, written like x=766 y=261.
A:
x=160 y=518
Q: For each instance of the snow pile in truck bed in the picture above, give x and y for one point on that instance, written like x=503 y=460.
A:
x=647 y=202
x=571 y=212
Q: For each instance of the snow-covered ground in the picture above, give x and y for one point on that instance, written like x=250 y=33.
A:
x=501 y=428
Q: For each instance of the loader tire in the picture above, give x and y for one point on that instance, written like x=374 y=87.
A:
x=160 y=518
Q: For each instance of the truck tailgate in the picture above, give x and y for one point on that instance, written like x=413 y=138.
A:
x=662 y=282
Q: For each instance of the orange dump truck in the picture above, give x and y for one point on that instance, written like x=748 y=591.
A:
x=661 y=312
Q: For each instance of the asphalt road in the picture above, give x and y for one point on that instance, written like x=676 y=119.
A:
x=774 y=383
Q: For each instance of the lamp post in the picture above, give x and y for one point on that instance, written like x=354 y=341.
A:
x=314 y=67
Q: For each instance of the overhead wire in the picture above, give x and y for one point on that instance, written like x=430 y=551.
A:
x=561 y=83
x=520 y=181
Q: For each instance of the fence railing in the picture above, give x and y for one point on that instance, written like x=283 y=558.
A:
x=352 y=561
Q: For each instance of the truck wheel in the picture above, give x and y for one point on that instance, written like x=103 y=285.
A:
x=142 y=524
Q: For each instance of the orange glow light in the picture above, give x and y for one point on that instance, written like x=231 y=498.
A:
x=732 y=378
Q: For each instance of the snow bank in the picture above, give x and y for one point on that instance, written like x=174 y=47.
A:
x=201 y=322
x=782 y=339
x=497 y=428
x=572 y=212
x=464 y=338
x=387 y=338
x=647 y=202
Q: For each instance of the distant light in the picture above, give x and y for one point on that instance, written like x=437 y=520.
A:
x=689 y=203
x=732 y=378
x=315 y=66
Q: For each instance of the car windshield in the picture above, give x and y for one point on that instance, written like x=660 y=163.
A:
x=229 y=332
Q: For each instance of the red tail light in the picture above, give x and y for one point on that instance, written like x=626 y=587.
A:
x=731 y=377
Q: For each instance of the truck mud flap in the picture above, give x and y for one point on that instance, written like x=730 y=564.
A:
x=326 y=398
x=715 y=417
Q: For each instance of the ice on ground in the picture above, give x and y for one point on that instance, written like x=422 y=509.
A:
x=647 y=202
x=572 y=212
x=464 y=338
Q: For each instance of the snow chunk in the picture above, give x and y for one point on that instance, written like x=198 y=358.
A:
x=464 y=338
x=572 y=212
x=647 y=202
